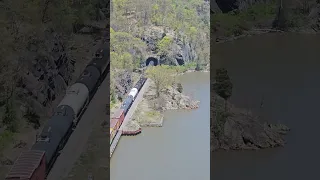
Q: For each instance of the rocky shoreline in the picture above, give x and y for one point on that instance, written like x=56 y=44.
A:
x=254 y=32
x=239 y=129
x=150 y=110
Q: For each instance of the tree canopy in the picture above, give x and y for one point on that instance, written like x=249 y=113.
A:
x=130 y=20
x=162 y=76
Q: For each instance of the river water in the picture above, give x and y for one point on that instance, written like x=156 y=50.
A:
x=178 y=150
x=284 y=70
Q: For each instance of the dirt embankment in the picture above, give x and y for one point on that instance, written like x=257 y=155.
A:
x=239 y=129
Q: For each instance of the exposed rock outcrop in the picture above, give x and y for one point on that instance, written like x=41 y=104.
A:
x=239 y=129
x=229 y=5
x=169 y=99
x=48 y=71
x=183 y=51
x=124 y=83
x=314 y=17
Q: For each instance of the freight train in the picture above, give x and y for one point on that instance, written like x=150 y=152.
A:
x=119 y=116
x=37 y=162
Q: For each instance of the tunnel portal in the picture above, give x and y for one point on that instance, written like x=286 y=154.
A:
x=152 y=61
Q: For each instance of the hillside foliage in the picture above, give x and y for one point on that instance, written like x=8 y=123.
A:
x=130 y=20
x=279 y=14
x=27 y=28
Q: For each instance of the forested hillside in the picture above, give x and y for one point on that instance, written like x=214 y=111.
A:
x=174 y=31
x=232 y=18
x=45 y=45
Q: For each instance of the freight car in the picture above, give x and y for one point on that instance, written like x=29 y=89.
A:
x=126 y=104
x=118 y=117
x=114 y=126
x=140 y=83
x=133 y=93
x=94 y=72
x=37 y=162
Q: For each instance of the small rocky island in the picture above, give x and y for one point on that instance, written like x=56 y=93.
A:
x=237 y=129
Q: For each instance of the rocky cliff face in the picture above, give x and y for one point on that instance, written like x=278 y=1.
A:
x=52 y=61
x=51 y=64
x=48 y=71
x=314 y=17
x=183 y=51
x=240 y=129
x=229 y=5
x=124 y=83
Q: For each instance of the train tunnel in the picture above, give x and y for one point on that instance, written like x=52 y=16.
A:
x=227 y=5
x=152 y=61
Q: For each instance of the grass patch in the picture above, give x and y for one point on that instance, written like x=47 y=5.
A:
x=112 y=104
x=152 y=114
x=183 y=68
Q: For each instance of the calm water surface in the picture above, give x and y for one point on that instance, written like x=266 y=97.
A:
x=178 y=150
x=285 y=70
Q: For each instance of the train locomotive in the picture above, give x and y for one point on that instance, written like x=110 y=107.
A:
x=37 y=162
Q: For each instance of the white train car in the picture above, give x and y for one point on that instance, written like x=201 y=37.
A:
x=133 y=93
x=77 y=97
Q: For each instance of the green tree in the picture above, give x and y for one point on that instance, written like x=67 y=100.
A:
x=9 y=117
x=33 y=118
x=164 y=45
x=180 y=88
x=162 y=76
x=121 y=43
x=223 y=85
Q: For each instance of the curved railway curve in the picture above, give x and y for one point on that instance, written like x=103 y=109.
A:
x=63 y=137
x=38 y=161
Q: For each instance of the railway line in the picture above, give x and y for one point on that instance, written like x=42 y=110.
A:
x=57 y=144
x=79 y=138
x=128 y=116
x=65 y=134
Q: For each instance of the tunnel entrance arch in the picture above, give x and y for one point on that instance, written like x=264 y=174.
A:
x=152 y=60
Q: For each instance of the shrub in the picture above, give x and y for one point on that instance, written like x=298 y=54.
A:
x=179 y=87
x=32 y=118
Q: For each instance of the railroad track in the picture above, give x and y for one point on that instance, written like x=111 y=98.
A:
x=67 y=119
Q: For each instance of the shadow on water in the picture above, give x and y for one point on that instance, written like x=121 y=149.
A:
x=285 y=70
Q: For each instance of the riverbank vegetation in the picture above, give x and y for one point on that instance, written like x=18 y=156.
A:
x=174 y=32
x=236 y=22
x=265 y=16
